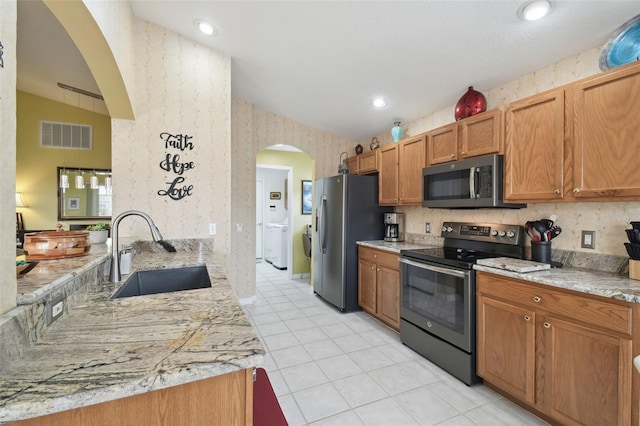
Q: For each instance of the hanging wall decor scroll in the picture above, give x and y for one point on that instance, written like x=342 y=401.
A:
x=173 y=163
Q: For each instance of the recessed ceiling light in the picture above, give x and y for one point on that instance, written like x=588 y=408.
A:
x=206 y=28
x=379 y=102
x=534 y=10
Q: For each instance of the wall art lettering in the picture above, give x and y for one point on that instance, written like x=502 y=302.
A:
x=173 y=163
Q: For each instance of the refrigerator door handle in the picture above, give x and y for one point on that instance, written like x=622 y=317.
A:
x=323 y=228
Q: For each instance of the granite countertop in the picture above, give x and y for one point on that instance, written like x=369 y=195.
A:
x=393 y=247
x=48 y=275
x=107 y=349
x=605 y=284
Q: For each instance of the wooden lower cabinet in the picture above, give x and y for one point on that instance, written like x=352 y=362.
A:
x=565 y=355
x=379 y=285
x=221 y=400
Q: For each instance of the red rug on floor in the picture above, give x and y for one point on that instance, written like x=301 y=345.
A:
x=266 y=410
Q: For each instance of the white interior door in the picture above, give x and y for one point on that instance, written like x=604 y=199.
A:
x=259 y=218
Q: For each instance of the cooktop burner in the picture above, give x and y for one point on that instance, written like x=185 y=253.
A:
x=465 y=243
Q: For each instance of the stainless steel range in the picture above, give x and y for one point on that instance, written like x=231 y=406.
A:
x=438 y=292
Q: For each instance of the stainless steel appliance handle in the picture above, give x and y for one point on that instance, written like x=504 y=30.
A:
x=472 y=182
x=323 y=228
x=430 y=267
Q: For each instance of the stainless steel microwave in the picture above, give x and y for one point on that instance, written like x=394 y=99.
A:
x=472 y=183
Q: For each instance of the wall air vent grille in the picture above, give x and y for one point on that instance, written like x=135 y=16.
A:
x=65 y=135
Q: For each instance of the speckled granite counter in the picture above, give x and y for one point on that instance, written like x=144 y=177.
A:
x=49 y=275
x=393 y=247
x=605 y=284
x=106 y=349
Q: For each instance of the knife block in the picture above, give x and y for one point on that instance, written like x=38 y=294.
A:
x=634 y=269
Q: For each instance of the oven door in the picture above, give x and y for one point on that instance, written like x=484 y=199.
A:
x=440 y=300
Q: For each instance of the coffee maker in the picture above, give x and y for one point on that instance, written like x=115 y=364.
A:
x=394 y=227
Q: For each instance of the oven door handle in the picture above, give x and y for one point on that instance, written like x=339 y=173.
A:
x=429 y=267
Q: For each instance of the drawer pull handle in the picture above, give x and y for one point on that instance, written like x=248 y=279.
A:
x=547 y=325
x=556 y=191
x=527 y=318
x=536 y=299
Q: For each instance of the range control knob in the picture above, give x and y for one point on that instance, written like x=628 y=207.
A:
x=502 y=233
x=494 y=233
x=511 y=234
x=444 y=229
x=449 y=229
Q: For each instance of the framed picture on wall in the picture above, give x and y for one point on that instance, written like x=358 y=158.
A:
x=306 y=197
x=73 y=204
x=274 y=195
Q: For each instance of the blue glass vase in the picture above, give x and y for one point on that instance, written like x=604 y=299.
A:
x=396 y=132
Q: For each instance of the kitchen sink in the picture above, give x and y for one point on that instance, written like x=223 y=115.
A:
x=155 y=281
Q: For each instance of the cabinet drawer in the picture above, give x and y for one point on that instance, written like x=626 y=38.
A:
x=379 y=257
x=605 y=314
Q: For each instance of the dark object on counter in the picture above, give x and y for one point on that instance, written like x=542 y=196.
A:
x=633 y=235
x=266 y=410
x=471 y=103
x=541 y=251
x=633 y=250
x=359 y=149
x=543 y=230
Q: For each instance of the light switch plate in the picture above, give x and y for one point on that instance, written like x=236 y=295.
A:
x=588 y=239
x=427 y=227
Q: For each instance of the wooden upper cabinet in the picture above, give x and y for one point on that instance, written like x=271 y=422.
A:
x=442 y=144
x=607 y=134
x=388 y=177
x=481 y=134
x=368 y=162
x=534 y=148
x=477 y=135
x=411 y=163
x=363 y=164
x=352 y=164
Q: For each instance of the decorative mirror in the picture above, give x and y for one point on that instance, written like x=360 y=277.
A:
x=84 y=193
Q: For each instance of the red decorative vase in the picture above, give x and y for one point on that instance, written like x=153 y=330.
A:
x=471 y=103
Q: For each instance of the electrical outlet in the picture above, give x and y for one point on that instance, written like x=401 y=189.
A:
x=212 y=229
x=54 y=309
x=588 y=239
x=427 y=227
x=238 y=227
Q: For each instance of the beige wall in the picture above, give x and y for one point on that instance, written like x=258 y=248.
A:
x=253 y=130
x=36 y=166
x=607 y=219
x=186 y=92
x=8 y=17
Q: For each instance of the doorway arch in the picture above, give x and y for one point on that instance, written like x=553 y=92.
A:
x=282 y=169
x=81 y=26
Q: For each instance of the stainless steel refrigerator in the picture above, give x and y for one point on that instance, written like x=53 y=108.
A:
x=346 y=211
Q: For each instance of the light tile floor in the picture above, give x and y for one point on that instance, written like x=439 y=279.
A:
x=331 y=368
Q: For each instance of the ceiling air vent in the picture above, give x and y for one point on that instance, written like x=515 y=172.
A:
x=65 y=135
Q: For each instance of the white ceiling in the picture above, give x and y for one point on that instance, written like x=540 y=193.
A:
x=321 y=62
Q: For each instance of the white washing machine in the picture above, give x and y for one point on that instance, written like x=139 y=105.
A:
x=275 y=244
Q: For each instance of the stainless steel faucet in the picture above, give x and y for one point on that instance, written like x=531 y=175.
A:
x=114 y=276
